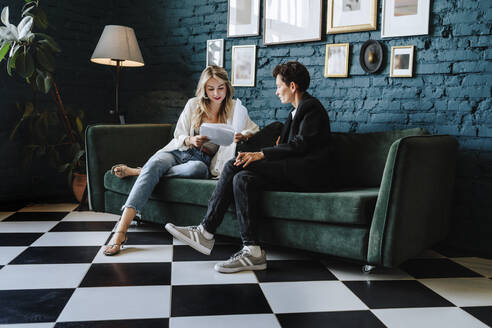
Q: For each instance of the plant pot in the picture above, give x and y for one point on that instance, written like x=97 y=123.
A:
x=79 y=184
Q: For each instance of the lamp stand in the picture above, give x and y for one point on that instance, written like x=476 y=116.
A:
x=116 y=111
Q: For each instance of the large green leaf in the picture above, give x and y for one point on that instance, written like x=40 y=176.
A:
x=28 y=110
x=45 y=59
x=20 y=64
x=24 y=65
x=44 y=81
x=40 y=18
x=39 y=82
x=48 y=82
x=27 y=8
x=48 y=40
x=11 y=62
x=3 y=51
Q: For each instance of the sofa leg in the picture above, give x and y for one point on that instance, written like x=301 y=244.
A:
x=368 y=268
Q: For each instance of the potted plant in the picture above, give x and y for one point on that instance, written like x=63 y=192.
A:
x=55 y=134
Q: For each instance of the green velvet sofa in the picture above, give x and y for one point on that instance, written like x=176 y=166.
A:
x=391 y=201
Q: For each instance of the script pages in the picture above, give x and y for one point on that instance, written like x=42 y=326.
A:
x=223 y=134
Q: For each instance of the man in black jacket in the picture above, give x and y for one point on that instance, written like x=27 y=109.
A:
x=299 y=161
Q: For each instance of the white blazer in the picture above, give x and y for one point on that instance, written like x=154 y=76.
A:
x=184 y=128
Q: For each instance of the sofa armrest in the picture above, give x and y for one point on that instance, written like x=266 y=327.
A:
x=107 y=145
x=413 y=203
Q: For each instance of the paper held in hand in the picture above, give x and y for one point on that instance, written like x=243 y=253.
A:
x=223 y=134
x=220 y=134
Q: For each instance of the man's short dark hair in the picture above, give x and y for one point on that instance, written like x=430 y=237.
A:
x=293 y=72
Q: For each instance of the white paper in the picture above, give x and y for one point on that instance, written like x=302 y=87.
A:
x=220 y=134
x=240 y=117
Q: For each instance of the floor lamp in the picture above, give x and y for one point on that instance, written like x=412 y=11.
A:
x=118 y=47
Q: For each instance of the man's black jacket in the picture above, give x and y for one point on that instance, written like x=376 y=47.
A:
x=304 y=147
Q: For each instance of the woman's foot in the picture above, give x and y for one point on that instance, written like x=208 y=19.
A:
x=116 y=244
x=123 y=171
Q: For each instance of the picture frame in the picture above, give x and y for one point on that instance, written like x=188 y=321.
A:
x=402 y=61
x=351 y=16
x=336 y=60
x=215 y=52
x=243 y=18
x=281 y=26
x=405 y=17
x=243 y=68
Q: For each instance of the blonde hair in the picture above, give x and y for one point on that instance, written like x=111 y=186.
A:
x=219 y=74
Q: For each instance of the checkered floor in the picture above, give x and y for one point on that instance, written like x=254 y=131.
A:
x=53 y=274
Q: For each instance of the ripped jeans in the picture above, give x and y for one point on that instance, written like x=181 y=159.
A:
x=191 y=163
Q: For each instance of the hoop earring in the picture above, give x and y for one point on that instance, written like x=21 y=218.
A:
x=205 y=97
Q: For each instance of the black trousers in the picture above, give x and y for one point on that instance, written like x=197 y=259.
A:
x=244 y=186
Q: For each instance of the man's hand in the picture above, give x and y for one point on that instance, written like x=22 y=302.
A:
x=198 y=141
x=245 y=159
x=278 y=141
x=239 y=136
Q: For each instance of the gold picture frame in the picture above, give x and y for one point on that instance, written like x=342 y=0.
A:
x=243 y=68
x=405 y=18
x=336 y=60
x=282 y=25
x=351 y=16
x=402 y=61
x=243 y=18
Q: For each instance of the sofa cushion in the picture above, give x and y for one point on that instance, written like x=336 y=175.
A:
x=351 y=206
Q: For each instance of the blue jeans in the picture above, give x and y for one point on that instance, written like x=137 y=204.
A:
x=191 y=163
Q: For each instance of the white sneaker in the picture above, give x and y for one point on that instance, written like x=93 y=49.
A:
x=242 y=261
x=192 y=236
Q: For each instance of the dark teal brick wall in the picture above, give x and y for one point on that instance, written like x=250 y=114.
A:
x=449 y=94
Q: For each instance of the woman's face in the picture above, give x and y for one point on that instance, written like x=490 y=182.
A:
x=216 y=90
x=283 y=91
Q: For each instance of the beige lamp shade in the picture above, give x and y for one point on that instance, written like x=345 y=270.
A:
x=118 y=43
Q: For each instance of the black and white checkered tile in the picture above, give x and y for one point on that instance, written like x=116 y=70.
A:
x=53 y=274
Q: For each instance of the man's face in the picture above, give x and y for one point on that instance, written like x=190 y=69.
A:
x=284 y=92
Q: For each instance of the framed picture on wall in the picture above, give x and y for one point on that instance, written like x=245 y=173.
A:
x=405 y=17
x=243 y=18
x=288 y=21
x=215 y=52
x=402 y=61
x=351 y=16
x=243 y=70
x=336 y=60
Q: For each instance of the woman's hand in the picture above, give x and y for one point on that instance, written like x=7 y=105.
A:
x=245 y=159
x=239 y=136
x=198 y=141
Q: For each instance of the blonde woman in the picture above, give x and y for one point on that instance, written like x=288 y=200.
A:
x=188 y=154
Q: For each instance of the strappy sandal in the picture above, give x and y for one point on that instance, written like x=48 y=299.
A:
x=108 y=251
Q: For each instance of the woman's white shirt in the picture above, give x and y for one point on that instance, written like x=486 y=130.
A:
x=184 y=128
